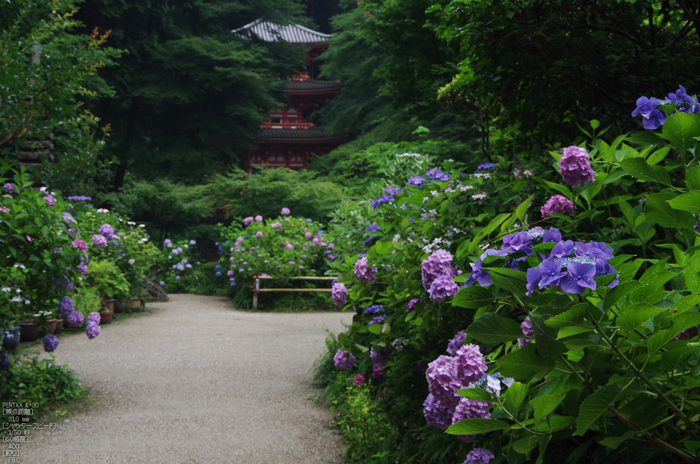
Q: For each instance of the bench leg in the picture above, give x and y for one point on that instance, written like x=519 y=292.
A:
x=255 y=294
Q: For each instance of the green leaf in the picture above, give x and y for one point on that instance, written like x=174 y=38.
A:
x=375 y=329
x=473 y=297
x=573 y=330
x=650 y=284
x=546 y=337
x=687 y=202
x=692 y=178
x=636 y=315
x=524 y=364
x=555 y=422
x=559 y=188
x=515 y=395
x=476 y=394
x=660 y=212
x=681 y=129
x=495 y=222
x=670 y=359
x=572 y=317
x=384 y=246
x=614 y=442
x=477 y=426
x=526 y=444
x=509 y=279
x=658 y=156
x=492 y=328
x=619 y=292
x=645 y=138
x=639 y=168
x=595 y=406
x=545 y=405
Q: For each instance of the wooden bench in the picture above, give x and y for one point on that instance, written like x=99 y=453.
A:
x=256 y=288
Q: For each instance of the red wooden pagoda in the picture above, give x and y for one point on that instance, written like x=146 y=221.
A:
x=289 y=137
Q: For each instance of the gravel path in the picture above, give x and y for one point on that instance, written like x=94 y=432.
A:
x=197 y=382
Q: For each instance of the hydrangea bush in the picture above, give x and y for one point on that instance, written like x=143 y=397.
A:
x=280 y=247
x=584 y=315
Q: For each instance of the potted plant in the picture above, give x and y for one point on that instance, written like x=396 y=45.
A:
x=106 y=278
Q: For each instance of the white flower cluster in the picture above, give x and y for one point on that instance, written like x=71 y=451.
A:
x=484 y=175
x=436 y=245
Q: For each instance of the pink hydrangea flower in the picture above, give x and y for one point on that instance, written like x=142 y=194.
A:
x=258 y=218
x=576 y=166
x=248 y=220
x=359 y=380
x=558 y=204
x=308 y=234
x=259 y=235
x=363 y=271
x=99 y=240
x=50 y=201
x=4 y=209
x=285 y=211
x=81 y=245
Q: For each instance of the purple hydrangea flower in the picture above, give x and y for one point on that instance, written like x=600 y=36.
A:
x=344 y=360
x=456 y=343
x=339 y=292
x=373 y=228
x=374 y=309
x=93 y=318
x=470 y=364
x=286 y=212
x=381 y=200
x=392 y=190
x=50 y=201
x=69 y=218
x=364 y=272
x=75 y=319
x=437 y=265
x=377 y=320
x=10 y=188
x=50 y=343
x=479 y=274
x=359 y=380
x=443 y=287
x=107 y=231
x=479 y=456
x=99 y=240
x=66 y=306
x=437 y=175
x=93 y=330
x=579 y=277
x=412 y=304
x=378 y=372
x=443 y=382
x=648 y=108
x=526 y=327
x=558 y=204
x=380 y=355
x=470 y=409
x=417 y=182
x=168 y=243
x=486 y=167
x=436 y=413
x=576 y=166
x=259 y=235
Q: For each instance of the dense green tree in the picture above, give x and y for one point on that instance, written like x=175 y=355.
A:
x=46 y=73
x=189 y=93
x=533 y=69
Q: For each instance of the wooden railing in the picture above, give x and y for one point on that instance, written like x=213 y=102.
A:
x=256 y=287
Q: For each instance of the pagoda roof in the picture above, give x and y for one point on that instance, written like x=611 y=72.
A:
x=292 y=33
x=311 y=86
x=312 y=134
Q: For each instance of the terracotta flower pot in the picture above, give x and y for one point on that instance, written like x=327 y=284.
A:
x=135 y=304
x=59 y=326
x=29 y=331
x=120 y=307
x=106 y=317
x=52 y=323
x=108 y=304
